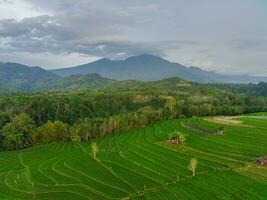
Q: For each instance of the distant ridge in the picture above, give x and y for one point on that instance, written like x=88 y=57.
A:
x=148 y=67
x=15 y=77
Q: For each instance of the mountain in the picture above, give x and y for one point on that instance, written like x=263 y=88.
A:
x=148 y=67
x=103 y=73
x=14 y=76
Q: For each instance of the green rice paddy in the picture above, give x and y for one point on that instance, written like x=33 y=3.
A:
x=143 y=164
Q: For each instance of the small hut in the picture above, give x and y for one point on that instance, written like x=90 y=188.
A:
x=262 y=161
x=175 y=140
x=178 y=138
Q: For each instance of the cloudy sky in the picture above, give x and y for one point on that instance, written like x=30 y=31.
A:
x=227 y=36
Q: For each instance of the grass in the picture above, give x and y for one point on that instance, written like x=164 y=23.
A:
x=143 y=164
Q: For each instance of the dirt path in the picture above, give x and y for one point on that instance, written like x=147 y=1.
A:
x=227 y=121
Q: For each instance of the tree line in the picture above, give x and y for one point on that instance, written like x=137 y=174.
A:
x=30 y=119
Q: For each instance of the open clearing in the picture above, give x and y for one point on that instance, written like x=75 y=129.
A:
x=143 y=164
x=224 y=120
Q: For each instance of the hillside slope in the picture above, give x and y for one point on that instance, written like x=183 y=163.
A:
x=76 y=82
x=14 y=76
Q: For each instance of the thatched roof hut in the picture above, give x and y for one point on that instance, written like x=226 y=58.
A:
x=175 y=140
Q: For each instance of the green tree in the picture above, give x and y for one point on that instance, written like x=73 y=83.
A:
x=18 y=133
x=54 y=132
x=182 y=138
x=74 y=136
x=4 y=119
x=84 y=128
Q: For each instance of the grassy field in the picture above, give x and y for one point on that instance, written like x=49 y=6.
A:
x=143 y=164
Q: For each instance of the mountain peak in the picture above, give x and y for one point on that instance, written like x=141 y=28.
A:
x=104 y=60
x=147 y=58
x=195 y=68
x=144 y=56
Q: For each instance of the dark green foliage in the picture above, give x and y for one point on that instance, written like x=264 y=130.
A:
x=17 y=134
x=4 y=118
x=259 y=89
x=53 y=132
x=75 y=83
x=81 y=115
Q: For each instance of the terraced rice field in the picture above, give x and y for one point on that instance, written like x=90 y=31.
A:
x=143 y=164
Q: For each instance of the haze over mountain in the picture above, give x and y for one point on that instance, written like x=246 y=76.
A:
x=148 y=67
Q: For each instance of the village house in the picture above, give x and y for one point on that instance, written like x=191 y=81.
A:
x=175 y=140
x=262 y=161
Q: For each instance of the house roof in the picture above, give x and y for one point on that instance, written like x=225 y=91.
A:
x=262 y=160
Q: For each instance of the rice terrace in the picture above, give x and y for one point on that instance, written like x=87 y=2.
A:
x=133 y=100
x=145 y=164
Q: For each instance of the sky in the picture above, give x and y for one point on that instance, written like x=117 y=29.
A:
x=228 y=36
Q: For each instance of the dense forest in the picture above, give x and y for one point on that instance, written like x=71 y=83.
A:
x=38 y=118
x=259 y=89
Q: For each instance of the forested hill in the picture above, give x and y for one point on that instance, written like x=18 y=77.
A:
x=17 y=77
x=75 y=82
x=21 y=78
x=29 y=119
x=259 y=89
x=148 y=67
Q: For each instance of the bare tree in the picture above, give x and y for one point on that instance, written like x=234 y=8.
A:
x=94 y=149
x=193 y=166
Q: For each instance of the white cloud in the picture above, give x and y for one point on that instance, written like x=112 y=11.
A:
x=17 y=9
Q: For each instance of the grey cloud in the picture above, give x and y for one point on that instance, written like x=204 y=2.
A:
x=11 y=28
x=98 y=32
x=224 y=36
x=65 y=32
